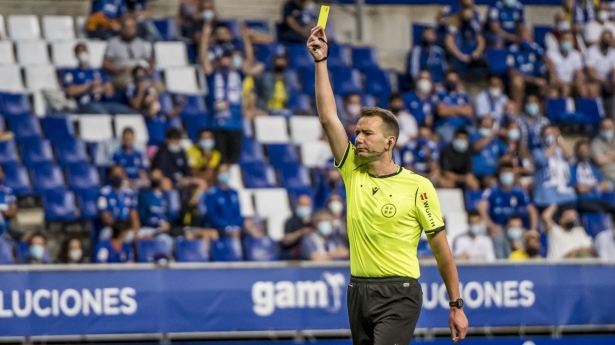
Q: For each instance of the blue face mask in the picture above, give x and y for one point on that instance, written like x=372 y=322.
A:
x=514 y=134
x=532 y=109
x=303 y=211
x=514 y=234
x=509 y=3
x=566 y=46
x=224 y=177
x=460 y=145
x=130 y=236
x=206 y=144
x=475 y=229
x=507 y=179
x=606 y=135
x=37 y=251
x=237 y=61
x=207 y=15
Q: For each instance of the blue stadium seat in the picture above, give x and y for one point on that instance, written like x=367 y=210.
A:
x=295 y=177
x=258 y=175
x=58 y=128
x=368 y=100
x=70 y=151
x=347 y=81
x=251 y=151
x=609 y=197
x=540 y=31
x=148 y=249
x=14 y=105
x=595 y=223
x=299 y=57
x=308 y=81
x=266 y=52
x=193 y=125
x=299 y=102
x=60 y=206
x=166 y=102
x=8 y=152
x=472 y=197
x=47 y=177
x=16 y=177
x=260 y=249
x=191 y=251
x=292 y=76
x=167 y=27
x=339 y=56
x=417 y=32
x=497 y=60
x=25 y=127
x=6 y=253
x=82 y=177
x=194 y=106
x=226 y=249
x=233 y=25
x=282 y=154
x=555 y=108
x=259 y=25
x=379 y=83
x=87 y=201
x=364 y=58
x=293 y=194
x=590 y=110
x=36 y=151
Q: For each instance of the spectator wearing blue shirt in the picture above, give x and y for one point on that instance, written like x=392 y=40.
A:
x=129 y=157
x=426 y=56
x=420 y=102
x=296 y=227
x=323 y=244
x=552 y=182
x=422 y=158
x=531 y=123
x=453 y=109
x=588 y=182
x=117 y=202
x=103 y=22
x=505 y=199
x=464 y=40
x=8 y=205
x=298 y=17
x=487 y=149
x=223 y=207
x=526 y=68
x=37 y=249
x=155 y=211
x=505 y=22
x=331 y=183
x=491 y=102
x=118 y=248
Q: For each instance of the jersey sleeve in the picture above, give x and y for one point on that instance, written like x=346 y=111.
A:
x=350 y=161
x=428 y=212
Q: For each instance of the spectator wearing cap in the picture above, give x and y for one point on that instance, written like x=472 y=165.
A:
x=487 y=149
x=171 y=158
x=117 y=202
x=8 y=205
x=223 y=206
x=603 y=149
x=129 y=157
x=594 y=29
x=566 y=238
x=296 y=227
x=453 y=107
x=456 y=163
x=588 y=182
x=298 y=18
x=475 y=245
x=118 y=248
x=203 y=158
x=421 y=101
x=525 y=67
x=491 y=102
x=103 y=21
x=565 y=67
x=274 y=87
x=531 y=247
x=37 y=249
x=71 y=251
x=464 y=40
x=506 y=21
x=408 y=128
x=426 y=56
x=322 y=244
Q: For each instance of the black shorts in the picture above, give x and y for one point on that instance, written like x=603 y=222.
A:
x=383 y=311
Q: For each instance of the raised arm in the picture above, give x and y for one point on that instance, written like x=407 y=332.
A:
x=325 y=101
x=204 y=49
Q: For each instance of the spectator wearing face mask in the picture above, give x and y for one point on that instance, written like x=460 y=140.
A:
x=603 y=149
x=453 y=108
x=423 y=158
x=38 y=254
x=487 y=149
x=154 y=209
x=593 y=30
x=588 y=182
x=203 y=157
x=351 y=112
x=526 y=68
x=566 y=238
x=274 y=88
x=335 y=205
x=171 y=159
x=475 y=245
x=298 y=18
x=491 y=102
x=565 y=67
x=192 y=14
x=531 y=123
x=117 y=202
x=8 y=205
x=562 y=25
x=323 y=244
x=408 y=128
x=129 y=157
x=223 y=207
x=517 y=154
x=604 y=243
x=600 y=61
x=426 y=56
x=296 y=227
x=506 y=21
x=464 y=40
x=103 y=21
x=509 y=238
x=118 y=248
x=456 y=163
x=71 y=251
x=146 y=29
x=531 y=247
x=331 y=183
x=420 y=102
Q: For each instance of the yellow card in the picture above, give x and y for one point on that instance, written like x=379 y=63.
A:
x=322 y=18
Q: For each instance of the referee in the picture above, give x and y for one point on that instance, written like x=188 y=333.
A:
x=388 y=208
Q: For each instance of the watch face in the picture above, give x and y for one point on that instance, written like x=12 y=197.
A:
x=459 y=303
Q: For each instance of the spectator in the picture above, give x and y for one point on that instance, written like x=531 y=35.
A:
x=274 y=88
x=518 y=154
x=192 y=14
x=91 y=88
x=464 y=40
x=566 y=238
x=427 y=56
x=562 y=25
x=124 y=52
x=456 y=163
x=552 y=184
x=296 y=227
x=71 y=251
x=531 y=123
x=171 y=159
x=193 y=221
x=565 y=67
x=505 y=200
x=423 y=158
x=253 y=227
x=593 y=30
x=508 y=240
x=117 y=202
x=153 y=207
x=8 y=205
x=526 y=68
x=600 y=61
x=454 y=109
x=129 y=157
x=37 y=249
x=142 y=95
x=222 y=204
x=408 y=129
x=335 y=205
x=118 y=248
x=146 y=29
x=604 y=243
x=505 y=23
x=351 y=111
x=491 y=102
x=203 y=158
x=330 y=184
x=298 y=18
x=531 y=247
x=103 y=21
x=487 y=149
x=603 y=149
x=588 y=182
x=475 y=245
x=323 y=244
x=420 y=101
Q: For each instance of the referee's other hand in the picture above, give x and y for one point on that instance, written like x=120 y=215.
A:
x=317 y=43
x=458 y=323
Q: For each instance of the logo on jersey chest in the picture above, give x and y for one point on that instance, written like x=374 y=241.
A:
x=388 y=210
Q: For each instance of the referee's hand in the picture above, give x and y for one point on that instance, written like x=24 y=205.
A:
x=317 y=43
x=458 y=323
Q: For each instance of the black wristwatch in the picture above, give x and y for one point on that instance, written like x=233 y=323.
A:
x=457 y=304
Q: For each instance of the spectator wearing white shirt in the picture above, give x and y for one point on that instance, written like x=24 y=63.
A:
x=565 y=68
x=594 y=29
x=491 y=102
x=408 y=128
x=600 y=61
x=605 y=245
x=562 y=24
x=566 y=238
x=475 y=245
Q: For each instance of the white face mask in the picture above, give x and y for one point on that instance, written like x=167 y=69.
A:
x=75 y=255
x=353 y=109
x=495 y=92
x=423 y=85
x=83 y=57
x=336 y=207
x=563 y=26
x=603 y=16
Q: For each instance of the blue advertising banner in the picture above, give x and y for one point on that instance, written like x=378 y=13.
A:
x=446 y=2
x=204 y=299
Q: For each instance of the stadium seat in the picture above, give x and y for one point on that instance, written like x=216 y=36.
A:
x=609 y=197
x=258 y=175
x=379 y=84
x=170 y=54
x=308 y=81
x=191 y=251
x=295 y=177
x=11 y=79
x=193 y=125
x=266 y=52
x=63 y=54
x=96 y=50
x=148 y=249
x=87 y=201
x=590 y=109
x=58 y=128
x=305 y=129
x=41 y=78
x=270 y=130
x=233 y=26
x=226 y=249
x=7 y=57
x=80 y=26
x=251 y=151
x=275 y=225
x=454 y=200
x=260 y=249
x=32 y=53
x=47 y=177
x=346 y=81
x=3 y=35
x=272 y=201
x=472 y=198
x=236 y=182
x=540 y=31
x=497 y=60
x=24 y=27
x=339 y=56
x=246 y=203
x=6 y=253
x=14 y=104
x=57 y=28
x=70 y=151
x=364 y=58
x=594 y=223
x=95 y=127
x=181 y=80
x=135 y=122
x=60 y=206
x=315 y=154
x=299 y=57
x=8 y=152
x=156 y=130
x=299 y=103
x=194 y=105
x=25 y=127
x=282 y=154
x=35 y=151
x=16 y=177
x=167 y=27
x=261 y=26
x=562 y=110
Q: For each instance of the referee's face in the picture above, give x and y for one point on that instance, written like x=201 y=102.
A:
x=370 y=141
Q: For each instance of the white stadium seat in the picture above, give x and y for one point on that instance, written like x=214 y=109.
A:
x=63 y=54
x=181 y=80
x=30 y=53
x=236 y=181
x=80 y=26
x=58 y=28
x=39 y=104
x=454 y=200
x=7 y=57
x=95 y=127
x=170 y=54
x=96 y=49
x=315 y=154
x=10 y=75
x=41 y=78
x=246 y=204
x=136 y=122
x=305 y=129
x=275 y=226
x=3 y=34
x=270 y=129
x=272 y=204
x=456 y=224
x=24 y=27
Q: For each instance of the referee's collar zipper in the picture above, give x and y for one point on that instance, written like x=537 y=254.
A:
x=399 y=170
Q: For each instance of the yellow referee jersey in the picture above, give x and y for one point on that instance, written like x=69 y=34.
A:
x=385 y=218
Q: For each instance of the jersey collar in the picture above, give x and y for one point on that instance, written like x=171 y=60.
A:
x=399 y=169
